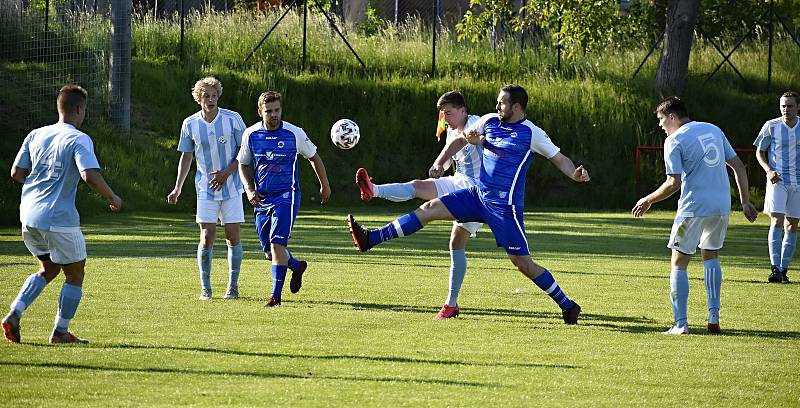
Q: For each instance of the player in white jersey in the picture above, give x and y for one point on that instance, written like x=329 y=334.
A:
x=779 y=155
x=695 y=154
x=213 y=136
x=467 y=163
x=50 y=164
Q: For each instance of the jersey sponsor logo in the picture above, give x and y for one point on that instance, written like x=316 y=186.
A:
x=274 y=168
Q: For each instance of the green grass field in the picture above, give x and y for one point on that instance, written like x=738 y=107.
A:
x=361 y=332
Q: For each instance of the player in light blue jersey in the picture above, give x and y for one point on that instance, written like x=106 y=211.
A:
x=467 y=163
x=779 y=155
x=50 y=164
x=695 y=154
x=269 y=171
x=213 y=137
x=509 y=144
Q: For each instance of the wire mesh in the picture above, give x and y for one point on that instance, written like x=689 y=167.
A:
x=52 y=43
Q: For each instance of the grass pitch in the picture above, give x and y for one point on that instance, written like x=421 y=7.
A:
x=361 y=330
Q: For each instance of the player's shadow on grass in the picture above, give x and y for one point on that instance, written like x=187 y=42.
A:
x=227 y=373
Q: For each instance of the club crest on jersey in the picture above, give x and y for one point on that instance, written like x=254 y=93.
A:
x=280 y=144
x=222 y=139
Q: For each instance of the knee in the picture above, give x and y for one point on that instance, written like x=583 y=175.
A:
x=207 y=238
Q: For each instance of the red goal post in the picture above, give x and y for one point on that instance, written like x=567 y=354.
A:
x=748 y=162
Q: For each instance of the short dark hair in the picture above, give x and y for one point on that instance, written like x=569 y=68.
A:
x=454 y=98
x=672 y=105
x=791 y=94
x=269 y=96
x=516 y=94
x=71 y=96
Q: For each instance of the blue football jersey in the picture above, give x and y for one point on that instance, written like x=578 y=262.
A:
x=698 y=151
x=508 y=149
x=273 y=156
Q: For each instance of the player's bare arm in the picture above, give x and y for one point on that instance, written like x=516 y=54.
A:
x=219 y=177
x=96 y=182
x=565 y=164
x=184 y=163
x=19 y=174
x=669 y=187
x=740 y=175
x=253 y=197
x=772 y=175
x=322 y=176
x=473 y=137
x=444 y=160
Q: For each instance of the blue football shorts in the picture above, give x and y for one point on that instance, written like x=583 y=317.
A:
x=504 y=220
x=275 y=219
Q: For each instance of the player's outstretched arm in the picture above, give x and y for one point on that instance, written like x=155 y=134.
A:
x=445 y=158
x=322 y=176
x=565 y=164
x=19 y=174
x=183 y=169
x=772 y=175
x=669 y=187
x=96 y=182
x=740 y=174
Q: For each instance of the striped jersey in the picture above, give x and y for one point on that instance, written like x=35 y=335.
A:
x=508 y=149
x=272 y=154
x=55 y=155
x=783 y=153
x=698 y=152
x=468 y=159
x=215 y=145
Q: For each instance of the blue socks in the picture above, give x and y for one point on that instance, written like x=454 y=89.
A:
x=396 y=192
x=235 y=255
x=458 y=268
x=713 y=281
x=679 y=295
x=787 y=249
x=774 y=242
x=204 y=257
x=67 y=306
x=29 y=291
x=278 y=277
x=405 y=225
x=548 y=284
x=294 y=263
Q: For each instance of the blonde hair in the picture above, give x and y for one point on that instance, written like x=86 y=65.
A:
x=269 y=96
x=201 y=85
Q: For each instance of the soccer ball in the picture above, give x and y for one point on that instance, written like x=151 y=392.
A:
x=345 y=134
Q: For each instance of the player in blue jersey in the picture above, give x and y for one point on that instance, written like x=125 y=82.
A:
x=467 y=163
x=695 y=154
x=50 y=164
x=268 y=168
x=213 y=136
x=509 y=143
x=779 y=156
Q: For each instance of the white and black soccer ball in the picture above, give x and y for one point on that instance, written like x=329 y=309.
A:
x=345 y=134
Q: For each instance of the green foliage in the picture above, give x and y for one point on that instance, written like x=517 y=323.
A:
x=360 y=333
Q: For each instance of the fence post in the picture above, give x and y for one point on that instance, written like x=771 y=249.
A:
x=120 y=81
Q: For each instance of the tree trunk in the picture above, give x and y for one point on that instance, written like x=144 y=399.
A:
x=673 y=68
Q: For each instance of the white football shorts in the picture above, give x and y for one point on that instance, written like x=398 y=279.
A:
x=689 y=233
x=228 y=211
x=448 y=184
x=65 y=245
x=782 y=199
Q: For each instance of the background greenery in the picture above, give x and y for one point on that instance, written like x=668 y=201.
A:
x=590 y=106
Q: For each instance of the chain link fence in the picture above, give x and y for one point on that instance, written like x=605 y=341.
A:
x=53 y=43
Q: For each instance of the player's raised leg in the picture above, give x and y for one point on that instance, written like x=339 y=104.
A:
x=396 y=192
x=404 y=225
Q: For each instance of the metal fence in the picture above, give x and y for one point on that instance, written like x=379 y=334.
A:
x=54 y=44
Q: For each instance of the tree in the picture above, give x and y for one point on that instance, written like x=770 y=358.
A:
x=673 y=67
